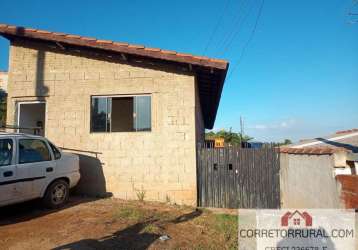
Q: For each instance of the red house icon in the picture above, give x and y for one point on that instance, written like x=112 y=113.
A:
x=296 y=217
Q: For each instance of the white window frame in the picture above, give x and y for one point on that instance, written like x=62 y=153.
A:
x=19 y=109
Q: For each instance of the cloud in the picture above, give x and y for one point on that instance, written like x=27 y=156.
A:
x=259 y=126
x=279 y=125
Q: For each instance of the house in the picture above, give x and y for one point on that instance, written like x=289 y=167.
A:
x=216 y=142
x=296 y=219
x=345 y=141
x=314 y=168
x=133 y=114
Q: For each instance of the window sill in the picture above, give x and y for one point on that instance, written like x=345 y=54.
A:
x=122 y=132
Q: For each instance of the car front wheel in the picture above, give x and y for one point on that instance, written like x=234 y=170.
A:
x=56 y=194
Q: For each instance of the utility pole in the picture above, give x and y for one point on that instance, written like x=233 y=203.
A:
x=241 y=128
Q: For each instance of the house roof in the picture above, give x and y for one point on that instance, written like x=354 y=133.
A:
x=345 y=140
x=311 y=150
x=210 y=72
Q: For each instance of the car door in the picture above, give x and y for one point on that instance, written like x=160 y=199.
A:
x=8 y=176
x=34 y=165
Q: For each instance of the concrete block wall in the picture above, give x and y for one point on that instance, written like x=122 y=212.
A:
x=160 y=163
x=308 y=181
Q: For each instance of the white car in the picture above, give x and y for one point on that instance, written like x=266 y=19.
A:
x=32 y=167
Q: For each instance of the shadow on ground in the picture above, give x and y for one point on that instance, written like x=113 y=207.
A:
x=33 y=209
x=92 y=186
x=132 y=237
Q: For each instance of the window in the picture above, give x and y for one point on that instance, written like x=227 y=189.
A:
x=100 y=114
x=55 y=151
x=296 y=221
x=121 y=114
x=6 y=150
x=33 y=150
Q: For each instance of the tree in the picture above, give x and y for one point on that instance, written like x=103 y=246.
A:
x=231 y=138
x=285 y=142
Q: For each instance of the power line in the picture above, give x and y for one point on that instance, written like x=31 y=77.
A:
x=236 y=21
x=250 y=38
x=352 y=13
x=236 y=33
x=217 y=26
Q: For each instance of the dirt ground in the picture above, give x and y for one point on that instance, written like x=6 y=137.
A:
x=115 y=224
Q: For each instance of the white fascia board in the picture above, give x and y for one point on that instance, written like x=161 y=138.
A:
x=330 y=139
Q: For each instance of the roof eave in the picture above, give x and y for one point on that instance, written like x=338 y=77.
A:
x=209 y=64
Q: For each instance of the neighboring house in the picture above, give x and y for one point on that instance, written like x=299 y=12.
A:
x=309 y=170
x=134 y=114
x=345 y=141
x=216 y=142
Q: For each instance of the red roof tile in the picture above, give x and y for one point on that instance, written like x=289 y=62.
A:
x=347 y=131
x=72 y=36
x=120 y=44
x=40 y=31
x=55 y=33
x=88 y=38
x=135 y=46
x=132 y=48
x=210 y=85
x=152 y=49
x=104 y=41
x=311 y=150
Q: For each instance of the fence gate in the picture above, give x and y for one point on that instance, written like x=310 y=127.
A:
x=234 y=177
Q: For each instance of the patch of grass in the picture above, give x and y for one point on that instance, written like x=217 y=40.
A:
x=205 y=219
x=129 y=213
x=167 y=199
x=164 y=216
x=151 y=228
x=137 y=214
x=141 y=194
x=227 y=225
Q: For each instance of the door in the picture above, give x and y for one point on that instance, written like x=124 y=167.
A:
x=234 y=177
x=34 y=166
x=8 y=174
x=31 y=117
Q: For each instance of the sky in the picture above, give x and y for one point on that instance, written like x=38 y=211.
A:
x=293 y=64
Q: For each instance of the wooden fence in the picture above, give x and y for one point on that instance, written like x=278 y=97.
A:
x=234 y=177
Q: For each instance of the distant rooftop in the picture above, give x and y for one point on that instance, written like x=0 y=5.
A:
x=344 y=140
